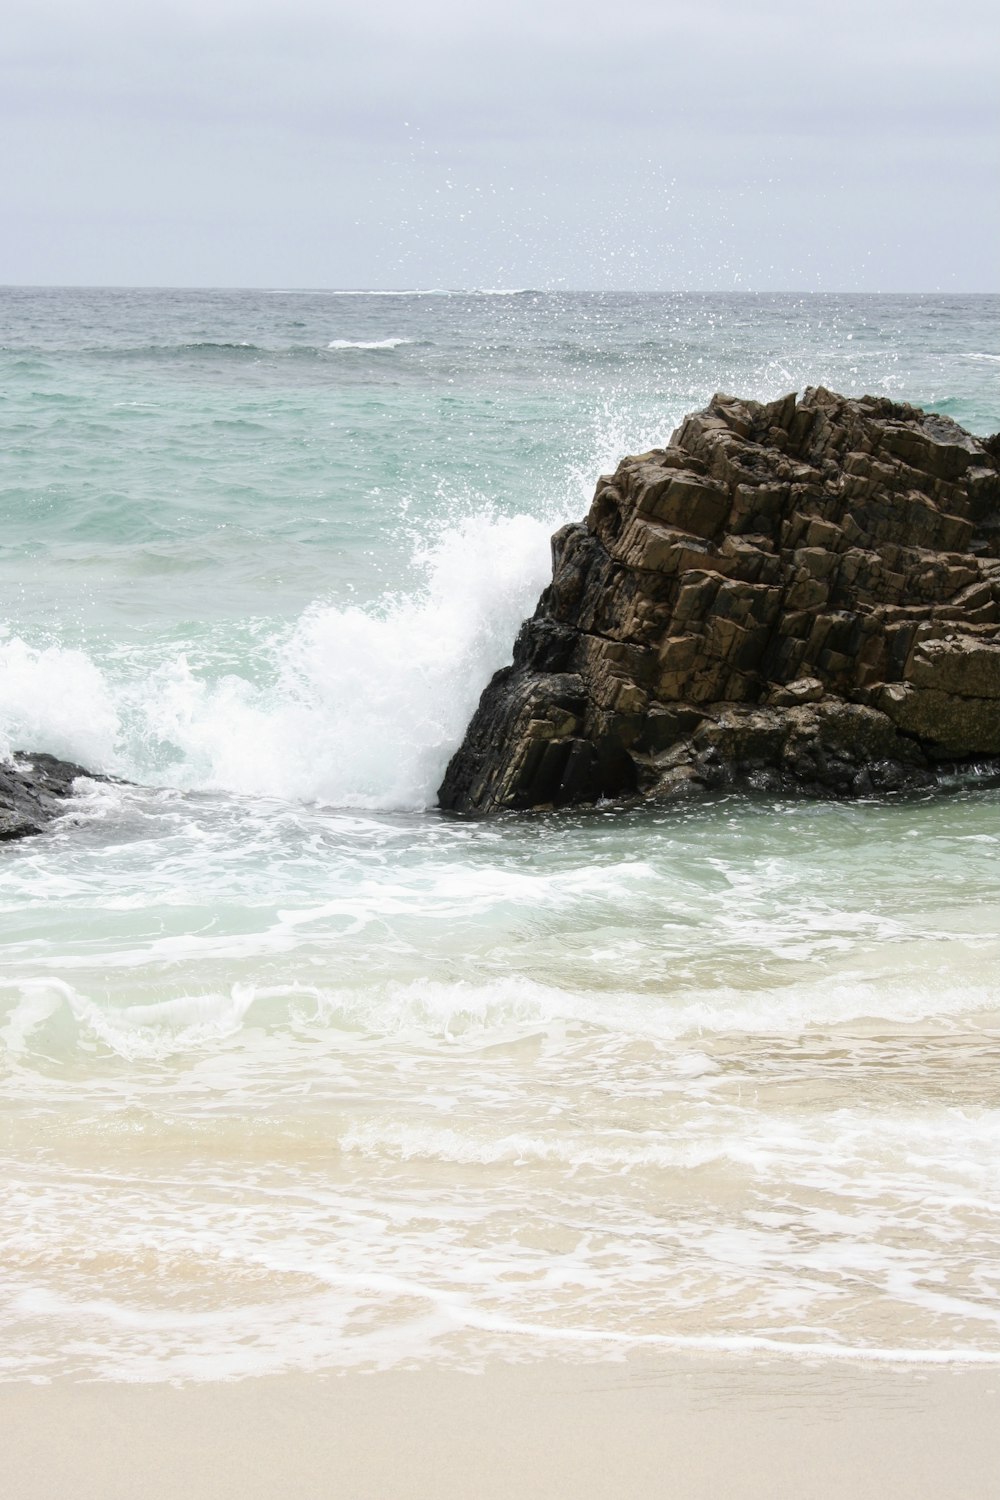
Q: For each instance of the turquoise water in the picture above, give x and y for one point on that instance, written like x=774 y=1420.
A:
x=298 y=1073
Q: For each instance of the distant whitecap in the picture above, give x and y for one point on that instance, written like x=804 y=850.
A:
x=368 y=343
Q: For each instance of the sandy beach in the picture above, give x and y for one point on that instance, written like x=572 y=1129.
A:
x=696 y=1429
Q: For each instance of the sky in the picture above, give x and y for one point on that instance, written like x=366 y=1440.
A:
x=680 y=145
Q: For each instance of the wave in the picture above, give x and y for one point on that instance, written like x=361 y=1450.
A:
x=325 y=1322
x=239 y=351
x=242 y=349
x=368 y=292
x=46 y=1016
x=368 y=344
x=351 y=707
x=479 y=291
x=55 y=699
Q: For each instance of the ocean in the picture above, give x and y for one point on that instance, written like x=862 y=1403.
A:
x=300 y=1074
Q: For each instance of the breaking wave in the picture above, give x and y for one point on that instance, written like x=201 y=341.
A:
x=354 y=707
x=368 y=344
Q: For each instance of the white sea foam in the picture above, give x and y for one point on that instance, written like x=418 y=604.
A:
x=407 y=1143
x=362 y=707
x=365 y=707
x=369 y=344
x=433 y=1008
x=55 y=700
x=311 y=1198
x=150 y=1032
x=443 y=1014
x=835 y=1236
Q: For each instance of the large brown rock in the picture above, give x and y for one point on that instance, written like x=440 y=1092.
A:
x=802 y=595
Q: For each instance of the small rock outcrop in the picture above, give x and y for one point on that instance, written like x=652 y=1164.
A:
x=33 y=790
x=803 y=595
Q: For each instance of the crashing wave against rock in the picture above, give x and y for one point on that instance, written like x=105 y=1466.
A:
x=803 y=595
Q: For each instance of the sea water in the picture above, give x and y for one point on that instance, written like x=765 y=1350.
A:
x=298 y=1073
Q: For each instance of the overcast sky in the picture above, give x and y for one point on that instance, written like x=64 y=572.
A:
x=685 y=144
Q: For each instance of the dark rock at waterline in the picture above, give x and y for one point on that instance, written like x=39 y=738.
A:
x=33 y=790
x=799 y=596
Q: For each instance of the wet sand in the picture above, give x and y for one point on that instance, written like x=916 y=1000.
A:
x=696 y=1429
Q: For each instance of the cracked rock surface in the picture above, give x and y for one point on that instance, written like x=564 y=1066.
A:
x=798 y=596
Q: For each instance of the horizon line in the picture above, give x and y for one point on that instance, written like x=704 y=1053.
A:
x=479 y=291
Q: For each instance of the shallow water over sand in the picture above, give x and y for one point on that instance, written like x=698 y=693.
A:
x=428 y=1089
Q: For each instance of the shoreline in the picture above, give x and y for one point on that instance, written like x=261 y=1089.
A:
x=693 y=1427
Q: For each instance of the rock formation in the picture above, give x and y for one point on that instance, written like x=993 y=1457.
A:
x=33 y=791
x=793 y=596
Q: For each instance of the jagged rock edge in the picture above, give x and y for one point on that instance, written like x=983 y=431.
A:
x=874 y=518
